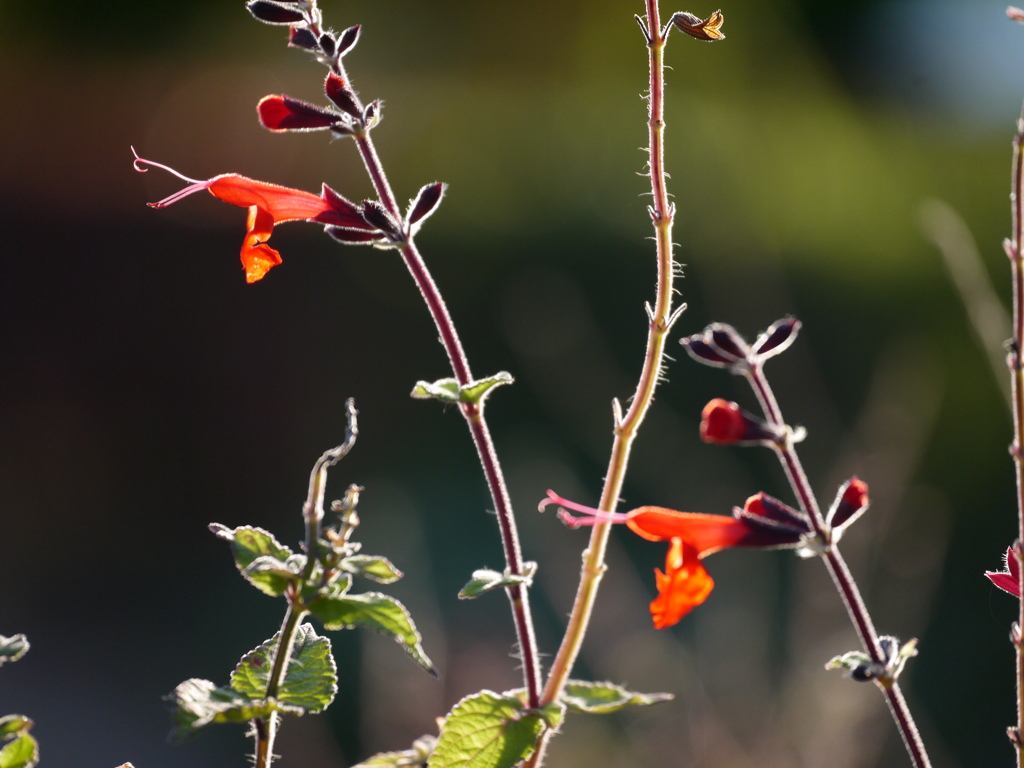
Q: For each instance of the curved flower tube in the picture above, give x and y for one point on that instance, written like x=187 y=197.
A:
x=692 y=536
x=268 y=205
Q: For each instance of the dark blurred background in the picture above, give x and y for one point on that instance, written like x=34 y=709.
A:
x=147 y=390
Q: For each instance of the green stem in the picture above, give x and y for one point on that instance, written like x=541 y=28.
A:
x=626 y=426
x=266 y=728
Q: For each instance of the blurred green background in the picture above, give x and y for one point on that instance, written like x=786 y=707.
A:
x=147 y=390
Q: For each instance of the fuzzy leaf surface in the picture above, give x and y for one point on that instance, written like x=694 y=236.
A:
x=477 y=391
x=380 y=569
x=12 y=725
x=375 y=611
x=249 y=544
x=200 y=702
x=485 y=580
x=445 y=390
x=310 y=682
x=487 y=730
x=416 y=757
x=604 y=698
x=12 y=648
x=21 y=752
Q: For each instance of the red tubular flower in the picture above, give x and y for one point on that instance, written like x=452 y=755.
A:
x=1008 y=579
x=268 y=204
x=685 y=584
x=725 y=423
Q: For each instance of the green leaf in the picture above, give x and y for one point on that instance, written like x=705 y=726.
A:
x=199 y=703
x=487 y=730
x=445 y=390
x=22 y=752
x=603 y=698
x=249 y=545
x=12 y=725
x=486 y=580
x=416 y=757
x=375 y=611
x=449 y=391
x=373 y=567
x=12 y=648
x=478 y=391
x=310 y=682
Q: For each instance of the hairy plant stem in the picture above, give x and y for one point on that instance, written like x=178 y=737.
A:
x=1015 y=250
x=836 y=565
x=265 y=729
x=626 y=426
x=473 y=413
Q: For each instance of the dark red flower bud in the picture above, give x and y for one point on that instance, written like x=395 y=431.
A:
x=725 y=423
x=851 y=502
x=777 y=338
x=425 y=203
x=337 y=90
x=327 y=44
x=763 y=510
x=703 y=352
x=348 y=40
x=343 y=212
x=271 y=12
x=377 y=216
x=283 y=113
x=727 y=339
x=301 y=37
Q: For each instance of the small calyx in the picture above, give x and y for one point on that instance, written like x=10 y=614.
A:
x=708 y=29
x=423 y=205
x=861 y=667
x=850 y=503
x=772 y=524
x=449 y=391
x=1008 y=579
x=721 y=346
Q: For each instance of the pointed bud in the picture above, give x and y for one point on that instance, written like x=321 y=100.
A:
x=719 y=346
x=777 y=338
x=425 y=203
x=283 y=113
x=348 y=40
x=851 y=502
x=343 y=213
x=327 y=44
x=270 y=12
x=703 y=29
x=337 y=90
x=725 y=423
x=377 y=216
x=762 y=510
x=301 y=37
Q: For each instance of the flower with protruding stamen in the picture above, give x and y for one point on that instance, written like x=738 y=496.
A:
x=268 y=205
x=685 y=584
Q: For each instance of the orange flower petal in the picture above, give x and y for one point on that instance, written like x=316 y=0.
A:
x=684 y=586
x=257 y=256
